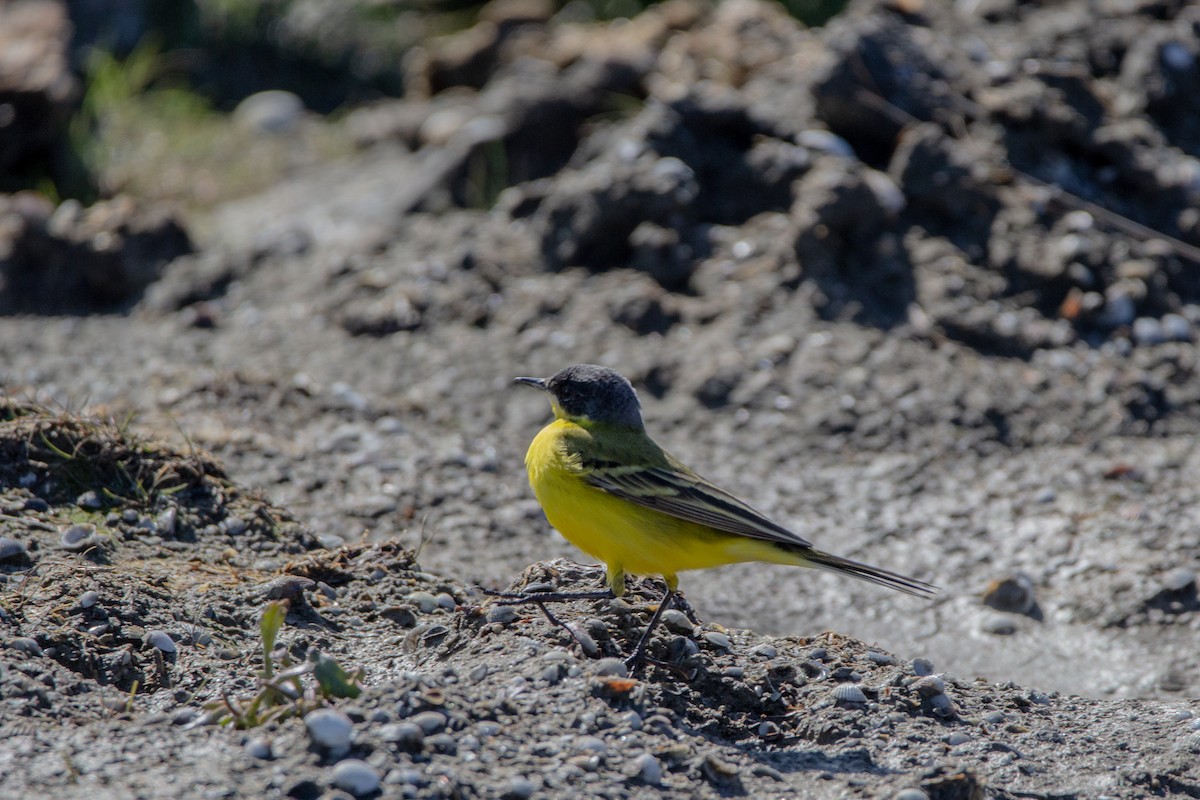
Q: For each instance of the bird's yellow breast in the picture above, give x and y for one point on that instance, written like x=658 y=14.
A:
x=624 y=535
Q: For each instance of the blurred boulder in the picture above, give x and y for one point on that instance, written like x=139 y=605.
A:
x=37 y=90
x=76 y=259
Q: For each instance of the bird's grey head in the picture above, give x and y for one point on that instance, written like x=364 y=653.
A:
x=588 y=393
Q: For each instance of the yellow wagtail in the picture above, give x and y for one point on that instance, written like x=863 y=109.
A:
x=619 y=497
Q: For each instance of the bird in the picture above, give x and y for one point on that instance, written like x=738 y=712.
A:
x=612 y=492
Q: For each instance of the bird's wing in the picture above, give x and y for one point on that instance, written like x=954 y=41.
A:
x=666 y=485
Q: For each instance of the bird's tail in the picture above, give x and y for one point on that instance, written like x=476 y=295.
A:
x=883 y=577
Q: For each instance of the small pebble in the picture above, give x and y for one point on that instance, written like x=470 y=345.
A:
x=167 y=521
x=885 y=659
x=1148 y=331
x=329 y=728
x=425 y=601
x=89 y=500
x=648 y=769
x=676 y=621
x=502 y=615
x=356 y=777
x=405 y=734
x=910 y=794
x=520 y=789
x=942 y=705
x=1177 y=328
x=999 y=624
x=234 y=526
x=10 y=548
x=957 y=738
x=446 y=601
x=922 y=666
x=327 y=590
x=129 y=516
x=765 y=651
x=258 y=747
x=733 y=672
x=611 y=666
x=161 y=640
x=929 y=686
x=717 y=639
x=25 y=645
x=78 y=537
x=429 y=721
x=1183 y=714
x=995 y=717
x=586 y=643
x=89 y=599
x=1179 y=579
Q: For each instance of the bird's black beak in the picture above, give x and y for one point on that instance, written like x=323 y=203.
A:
x=537 y=383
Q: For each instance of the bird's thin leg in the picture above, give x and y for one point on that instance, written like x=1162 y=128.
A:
x=517 y=598
x=638 y=655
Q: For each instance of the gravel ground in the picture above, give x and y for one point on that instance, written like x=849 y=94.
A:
x=920 y=284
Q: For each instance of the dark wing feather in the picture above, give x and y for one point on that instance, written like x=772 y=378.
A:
x=672 y=488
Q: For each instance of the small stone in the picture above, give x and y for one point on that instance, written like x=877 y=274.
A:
x=161 y=640
x=90 y=501
x=446 y=601
x=585 y=640
x=502 y=615
x=995 y=717
x=404 y=734
x=429 y=722
x=676 y=621
x=718 y=639
x=957 y=738
x=942 y=705
x=1148 y=331
x=910 y=794
x=25 y=645
x=425 y=601
x=999 y=624
x=356 y=777
x=78 y=536
x=234 y=526
x=10 y=548
x=329 y=728
x=884 y=659
x=922 y=666
x=764 y=651
x=327 y=590
x=611 y=666
x=258 y=747
x=1177 y=328
x=167 y=521
x=520 y=789
x=89 y=599
x=1179 y=579
x=647 y=769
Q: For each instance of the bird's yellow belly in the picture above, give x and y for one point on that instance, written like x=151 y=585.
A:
x=622 y=534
